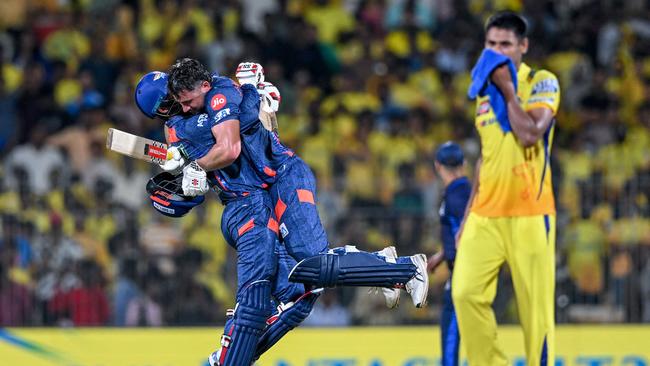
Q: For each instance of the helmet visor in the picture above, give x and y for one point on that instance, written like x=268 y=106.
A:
x=168 y=107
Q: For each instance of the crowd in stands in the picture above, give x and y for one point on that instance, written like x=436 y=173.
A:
x=369 y=89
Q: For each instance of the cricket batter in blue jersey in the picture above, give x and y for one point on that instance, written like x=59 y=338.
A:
x=248 y=224
x=449 y=164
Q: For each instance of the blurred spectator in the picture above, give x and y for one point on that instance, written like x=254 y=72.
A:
x=126 y=289
x=55 y=255
x=100 y=171
x=645 y=291
x=328 y=312
x=91 y=233
x=129 y=184
x=35 y=104
x=13 y=235
x=9 y=130
x=254 y=10
x=16 y=302
x=330 y=19
x=198 y=306
x=370 y=308
x=216 y=271
x=85 y=305
x=37 y=160
x=67 y=43
x=416 y=13
x=100 y=72
x=584 y=243
x=161 y=236
x=78 y=140
x=144 y=309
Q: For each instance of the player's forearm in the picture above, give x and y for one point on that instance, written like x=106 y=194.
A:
x=434 y=261
x=523 y=125
x=220 y=156
x=527 y=130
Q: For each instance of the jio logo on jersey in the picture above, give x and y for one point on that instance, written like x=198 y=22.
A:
x=217 y=102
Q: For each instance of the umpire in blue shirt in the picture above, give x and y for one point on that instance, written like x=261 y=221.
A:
x=450 y=166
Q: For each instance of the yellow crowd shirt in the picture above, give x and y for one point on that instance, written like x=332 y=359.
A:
x=513 y=180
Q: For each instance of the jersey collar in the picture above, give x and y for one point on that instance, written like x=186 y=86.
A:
x=523 y=71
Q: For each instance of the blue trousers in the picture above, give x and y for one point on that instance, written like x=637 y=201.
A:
x=294 y=200
x=249 y=226
x=450 y=336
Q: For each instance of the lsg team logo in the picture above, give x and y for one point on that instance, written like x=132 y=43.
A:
x=217 y=102
x=202 y=118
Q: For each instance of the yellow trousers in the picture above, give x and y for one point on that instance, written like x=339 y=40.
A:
x=527 y=244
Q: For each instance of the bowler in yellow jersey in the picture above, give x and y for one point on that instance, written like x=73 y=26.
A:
x=511 y=215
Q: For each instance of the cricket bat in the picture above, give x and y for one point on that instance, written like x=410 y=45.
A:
x=138 y=147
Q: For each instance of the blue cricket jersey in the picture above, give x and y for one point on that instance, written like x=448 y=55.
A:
x=195 y=136
x=451 y=213
x=263 y=147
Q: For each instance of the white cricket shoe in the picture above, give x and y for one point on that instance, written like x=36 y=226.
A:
x=391 y=295
x=418 y=286
x=214 y=358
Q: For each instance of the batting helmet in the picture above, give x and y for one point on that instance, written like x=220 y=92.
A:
x=152 y=98
x=166 y=194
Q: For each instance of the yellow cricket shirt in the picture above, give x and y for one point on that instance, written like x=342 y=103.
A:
x=513 y=180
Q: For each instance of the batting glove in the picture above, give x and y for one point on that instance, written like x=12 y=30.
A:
x=195 y=180
x=250 y=73
x=270 y=96
x=174 y=162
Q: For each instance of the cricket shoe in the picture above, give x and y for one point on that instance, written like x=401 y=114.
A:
x=418 y=286
x=391 y=295
x=215 y=357
x=213 y=360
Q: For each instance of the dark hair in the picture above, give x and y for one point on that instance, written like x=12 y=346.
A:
x=186 y=74
x=510 y=21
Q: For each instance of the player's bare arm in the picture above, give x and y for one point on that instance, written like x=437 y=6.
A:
x=529 y=127
x=435 y=260
x=226 y=149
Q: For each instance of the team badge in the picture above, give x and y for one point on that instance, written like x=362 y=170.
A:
x=217 y=102
x=202 y=118
x=284 y=231
x=483 y=108
x=545 y=86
